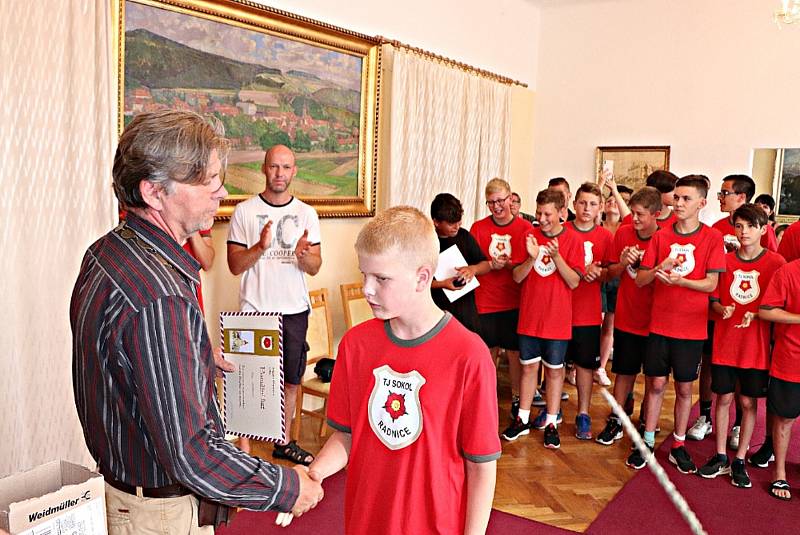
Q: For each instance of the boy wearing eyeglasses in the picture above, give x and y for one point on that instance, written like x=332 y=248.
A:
x=501 y=238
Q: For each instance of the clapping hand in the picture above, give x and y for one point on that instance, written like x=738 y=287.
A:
x=532 y=246
x=727 y=311
x=303 y=245
x=593 y=272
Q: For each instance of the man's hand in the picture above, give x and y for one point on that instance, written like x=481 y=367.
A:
x=593 y=272
x=465 y=273
x=284 y=519
x=303 y=245
x=310 y=492
x=266 y=236
x=222 y=364
x=532 y=246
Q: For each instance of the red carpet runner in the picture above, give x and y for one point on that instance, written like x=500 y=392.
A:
x=328 y=519
x=642 y=505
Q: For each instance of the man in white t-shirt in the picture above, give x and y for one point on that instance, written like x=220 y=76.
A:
x=274 y=240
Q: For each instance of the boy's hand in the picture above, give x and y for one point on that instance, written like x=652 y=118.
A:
x=669 y=264
x=727 y=311
x=747 y=319
x=532 y=246
x=499 y=262
x=593 y=272
x=465 y=273
x=631 y=256
x=669 y=277
x=552 y=248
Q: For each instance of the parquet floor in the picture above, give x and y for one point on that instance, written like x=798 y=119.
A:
x=566 y=487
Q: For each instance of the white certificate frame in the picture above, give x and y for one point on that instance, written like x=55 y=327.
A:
x=254 y=399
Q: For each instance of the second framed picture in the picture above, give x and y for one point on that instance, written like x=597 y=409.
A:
x=631 y=165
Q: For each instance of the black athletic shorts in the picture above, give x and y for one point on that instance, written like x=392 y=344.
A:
x=708 y=345
x=665 y=355
x=295 y=347
x=499 y=329
x=752 y=383
x=584 y=347
x=783 y=398
x=629 y=352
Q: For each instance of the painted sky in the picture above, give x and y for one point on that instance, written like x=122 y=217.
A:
x=245 y=45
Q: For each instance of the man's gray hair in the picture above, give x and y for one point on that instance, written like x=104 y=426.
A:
x=165 y=147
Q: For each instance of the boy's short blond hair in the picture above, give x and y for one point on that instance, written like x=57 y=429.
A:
x=497 y=184
x=405 y=229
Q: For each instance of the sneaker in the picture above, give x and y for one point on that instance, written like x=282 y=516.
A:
x=682 y=460
x=551 y=439
x=538 y=400
x=629 y=404
x=701 y=429
x=763 y=456
x=636 y=460
x=611 y=432
x=583 y=427
x=514 y=408
x=739 y=477
x=516 y=430
x=539 y=421
x=716 y=465
x=733 y=442
x=570 y=376
x=601 y=377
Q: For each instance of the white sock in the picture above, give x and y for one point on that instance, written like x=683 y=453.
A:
x=551 y=419
x=681 y=438
x=524 y=415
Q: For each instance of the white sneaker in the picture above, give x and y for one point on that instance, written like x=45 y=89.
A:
x=734 y=440
x=700 y=430
x=570 y=377
x=601 y=377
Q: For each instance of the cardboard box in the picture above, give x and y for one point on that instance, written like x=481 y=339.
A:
x=52 y=499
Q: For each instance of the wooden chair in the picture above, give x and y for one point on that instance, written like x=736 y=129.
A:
x=320 y=341
x=356 y=308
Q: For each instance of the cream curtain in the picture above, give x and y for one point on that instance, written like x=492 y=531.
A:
x=57 y=115
x=450 y=131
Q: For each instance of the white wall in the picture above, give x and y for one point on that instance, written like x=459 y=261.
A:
x=712 y=79
x=501 y=38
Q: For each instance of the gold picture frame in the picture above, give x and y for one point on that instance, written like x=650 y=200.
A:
x=271 y=77
x=632 y=164
x=787 y=185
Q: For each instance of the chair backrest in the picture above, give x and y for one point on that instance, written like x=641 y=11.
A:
x=356 y=308
x=320 y=327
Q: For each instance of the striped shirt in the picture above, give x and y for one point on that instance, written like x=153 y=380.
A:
x=143 y=375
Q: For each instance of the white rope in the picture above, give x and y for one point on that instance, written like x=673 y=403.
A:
x=661 y=476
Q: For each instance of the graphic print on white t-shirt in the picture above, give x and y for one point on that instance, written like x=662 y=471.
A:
x=544 y=264
x=286 y=232
x=684 y=253
x=500 y=245
x=744 y=287
x=395 y=413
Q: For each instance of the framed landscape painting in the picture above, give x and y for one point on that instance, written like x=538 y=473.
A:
x=270 y=77
x=787 y=186
x=632 y=165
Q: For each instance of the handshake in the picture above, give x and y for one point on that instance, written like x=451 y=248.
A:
x=309 y=496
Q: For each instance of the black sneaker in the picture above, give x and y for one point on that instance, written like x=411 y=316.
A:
x=611 y=432
x=682 y=460
x=763 y=456
x=551 y=439
x=514 y=408
x=716 y=465
x=516 y=430
x=739 y=477
x=636 y=460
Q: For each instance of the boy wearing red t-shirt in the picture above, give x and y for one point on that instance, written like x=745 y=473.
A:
x=664 y=182
x=632 y=318
x=736 y=190
x=587 y=309
x=413 y=400
x=551 y=271
x=740 y=353
x=684 y=263
x=501 y=237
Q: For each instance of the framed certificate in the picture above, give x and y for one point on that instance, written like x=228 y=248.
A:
x=253 y=395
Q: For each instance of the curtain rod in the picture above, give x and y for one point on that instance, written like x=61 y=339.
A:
x=453 y=63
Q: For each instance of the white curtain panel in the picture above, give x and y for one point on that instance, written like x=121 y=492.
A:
x=450 y=131
x=57 y=114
